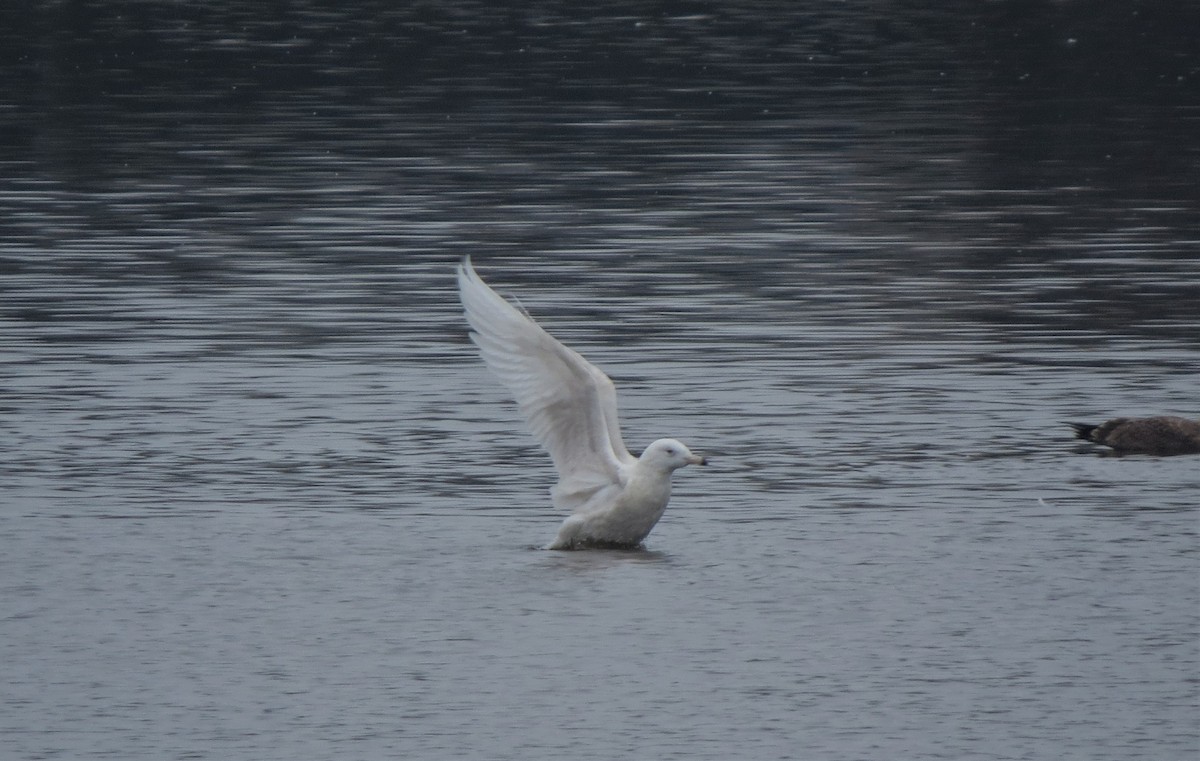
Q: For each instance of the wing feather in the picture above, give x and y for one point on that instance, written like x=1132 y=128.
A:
x=569 y=403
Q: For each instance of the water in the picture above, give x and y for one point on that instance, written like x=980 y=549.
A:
x=261 y=499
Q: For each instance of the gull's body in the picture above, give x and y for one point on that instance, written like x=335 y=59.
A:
x=614 y=498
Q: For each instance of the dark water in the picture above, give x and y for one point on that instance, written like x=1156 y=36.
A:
x=261 y=500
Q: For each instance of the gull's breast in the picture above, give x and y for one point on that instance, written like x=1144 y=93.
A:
x=635 y=512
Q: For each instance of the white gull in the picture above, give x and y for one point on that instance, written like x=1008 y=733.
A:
x=614 y=498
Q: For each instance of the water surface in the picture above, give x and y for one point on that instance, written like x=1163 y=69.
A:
x=262 y=500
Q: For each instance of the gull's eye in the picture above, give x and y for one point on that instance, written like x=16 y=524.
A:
x=670 y=450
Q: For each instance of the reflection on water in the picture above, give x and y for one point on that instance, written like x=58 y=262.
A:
x=870 y=263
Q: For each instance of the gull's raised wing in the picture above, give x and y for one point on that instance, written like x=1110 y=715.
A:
x=571 y=405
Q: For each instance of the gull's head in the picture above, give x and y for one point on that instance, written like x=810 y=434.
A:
x=669 y=454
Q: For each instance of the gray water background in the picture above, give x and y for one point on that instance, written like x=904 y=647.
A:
x=259 y=498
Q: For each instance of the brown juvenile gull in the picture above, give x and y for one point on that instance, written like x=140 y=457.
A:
x=1161 y=435
x=571 y=406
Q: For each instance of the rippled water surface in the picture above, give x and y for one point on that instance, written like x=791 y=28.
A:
x=261 y=499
